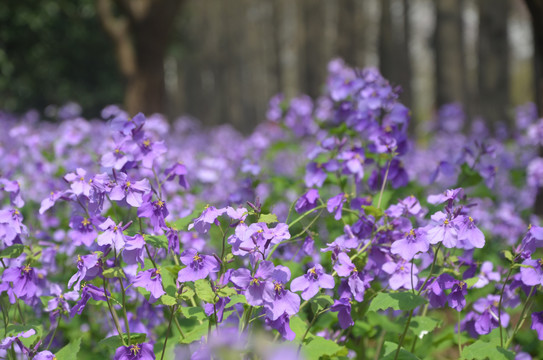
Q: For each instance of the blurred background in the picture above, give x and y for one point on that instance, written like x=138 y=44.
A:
x=221 y=60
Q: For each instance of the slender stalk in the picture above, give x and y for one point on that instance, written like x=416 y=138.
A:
x=523 y=315
x=127 y=327
x=150 y=257
x=380 y=344
x=431 y=269
x=459 y=337
x=309 y=328
x=383 y=185
x=20 y=312
x=402 y=338
x=245 y=319
x=54 y=332
x=178 y=327
x=113 y=314
x=500 y=305
x=167 y=333
x=305 y=214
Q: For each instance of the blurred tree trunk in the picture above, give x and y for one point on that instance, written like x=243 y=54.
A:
x=536 y=11
x=348 y=36
x=493 y=59
x=449 y=53
x=394 y=38
x=140 y=31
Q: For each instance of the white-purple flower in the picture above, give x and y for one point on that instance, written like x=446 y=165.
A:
x=198 y=266
x=413 y=243
x=311 y=282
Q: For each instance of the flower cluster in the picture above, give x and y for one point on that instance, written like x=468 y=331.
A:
x=327 y=233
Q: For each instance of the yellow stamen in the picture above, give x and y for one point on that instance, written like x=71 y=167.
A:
x=146 y=143
x=135 y=349
x=313 y=271
x=128 y=184
x=446 y=222
x=197 y=257
x=85 y=222
x=470 y=218
x=27 y=268
x=160 y=203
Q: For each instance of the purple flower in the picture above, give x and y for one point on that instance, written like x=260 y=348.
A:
x=44 y=355
x=133 y=250
x=89 y=292
x=88 y=267
x=314 y=175
x=13 y=188
x=50 y=201
x=436 y=290
x=59 y=301
x=127 y=125
x=257 y=289
x=11 y=225
x=82 y=230
x=178 y=170
x=353 y=162
x=307 y=201
x=282 y=325
x=408 y=206
x=487 y=275
x=335 y=204
x=217 y=308
x=198 y=266
x=457 y=296
x=131 y=190
x=401 y=274
x=449 y=195
x=150 y=280
x=284 y=301
x=310 y=283
x=442 y=231
x=135 y=352
x=113 y=234
x=537 y=324
x=24 y=281
x=149 y=151
x=343 y=308
x=117 y=158
x=78 y=183
x=532 y=273
x=156 y=211
x=209 y=216
x=344 y=266
x=468 y=232
x=488 y=319
x=414 y=242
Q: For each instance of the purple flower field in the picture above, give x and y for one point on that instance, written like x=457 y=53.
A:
x=327 y=233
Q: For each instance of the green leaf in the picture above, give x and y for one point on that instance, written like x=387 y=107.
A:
x=471 y=281
x=194 y=311
x=187 y=294
x=69 y=352
x=204 y=291
x=168 y=300
x=481 y=350
x=468 y=177
x=422 y=325
x=390 y=352
x=236 y=299
x=12 y=251
x=227 y=291
x=317 y=346
x=196 y=334
x=322 y=301
x=374 y=211
x=268 y=218
x=113 y=342
x=298 y=326
x=508 y=255
x=157 y=241
x=397 y=301
x=115 y=272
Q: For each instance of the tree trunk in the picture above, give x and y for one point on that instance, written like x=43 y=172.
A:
x=449 y=53
x=140 y=34
x=536 y=11
x=493 y=58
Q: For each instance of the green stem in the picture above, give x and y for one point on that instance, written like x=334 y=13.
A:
x=383 y=185
x=167 y=333
x=305 y=214
x=245 y=319
x=402 y=338
x=431 y=269
x=124 y=313
x=20 y=312
x=54 y=332
x=459 y=337
x=113 y=314
x=309 y=328
x=500 y=305
x=523 y=315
